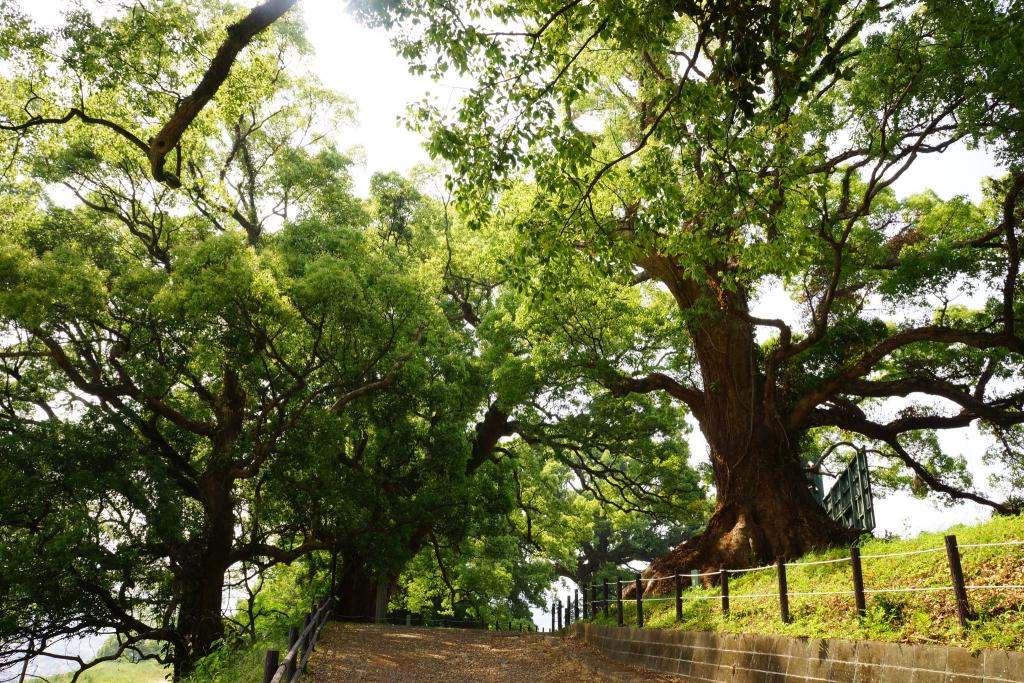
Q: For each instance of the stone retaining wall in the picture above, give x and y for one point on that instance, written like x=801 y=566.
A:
x=703 y=656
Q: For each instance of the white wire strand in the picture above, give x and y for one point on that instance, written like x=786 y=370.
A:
x=811 y=564
x=909 y=552
x=718 y=573
x=659 y=578
x=909 y=590
x=750 y=569
x=989 y=545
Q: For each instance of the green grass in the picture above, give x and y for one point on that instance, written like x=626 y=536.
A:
x=239 y=662
x=120 y=672
x=901 y=617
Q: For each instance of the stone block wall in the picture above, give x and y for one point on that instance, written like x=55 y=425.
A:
x=735 y=658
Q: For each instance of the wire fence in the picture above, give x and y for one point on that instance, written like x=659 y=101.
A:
x=563 y=615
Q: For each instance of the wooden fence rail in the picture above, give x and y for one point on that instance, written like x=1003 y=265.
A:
x=300 y=647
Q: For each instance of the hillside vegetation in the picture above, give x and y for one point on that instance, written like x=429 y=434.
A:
x=902 y=616
x=119 y=672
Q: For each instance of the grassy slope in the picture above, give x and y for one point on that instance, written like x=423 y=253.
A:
x=903 y=617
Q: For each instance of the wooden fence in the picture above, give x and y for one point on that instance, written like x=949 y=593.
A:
x=300 y=647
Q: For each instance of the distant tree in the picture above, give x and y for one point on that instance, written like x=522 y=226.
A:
x=160 y=346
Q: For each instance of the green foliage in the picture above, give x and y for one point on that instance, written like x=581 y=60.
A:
x=663 y=165
x=146 y=671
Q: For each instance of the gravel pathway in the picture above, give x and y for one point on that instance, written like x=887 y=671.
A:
x=367 y=652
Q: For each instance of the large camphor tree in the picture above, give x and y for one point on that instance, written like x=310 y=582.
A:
x=713 y=150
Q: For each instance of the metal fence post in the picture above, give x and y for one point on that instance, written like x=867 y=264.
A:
x=639 y=602
x=618 y=599
x=956 y=572
x=858 y=581
x=270 y=665
x=725 y=591
x=585 y=602
x=780 y=565
x=606 y=598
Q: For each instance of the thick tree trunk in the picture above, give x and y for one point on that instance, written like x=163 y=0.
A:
x=356 y=591
x=200 y=623
x=764 y=510
x=764 y=507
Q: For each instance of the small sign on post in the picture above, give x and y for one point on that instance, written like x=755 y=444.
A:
x=849 y=500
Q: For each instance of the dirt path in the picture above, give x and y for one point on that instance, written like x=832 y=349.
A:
x=362 y=652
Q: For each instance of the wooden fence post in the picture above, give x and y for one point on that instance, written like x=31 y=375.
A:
x=858 y=581
x=307 y=641
x=270 y=665
x=293 y=637
x=576 y=604
x=606 y=598
x=780 y=565
x=584 y=602
x=618 y=600
x=679 y=597
x=956 y=572
x=639 y=602
x=725 y=591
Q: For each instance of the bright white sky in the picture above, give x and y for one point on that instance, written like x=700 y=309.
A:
x=361 y=63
